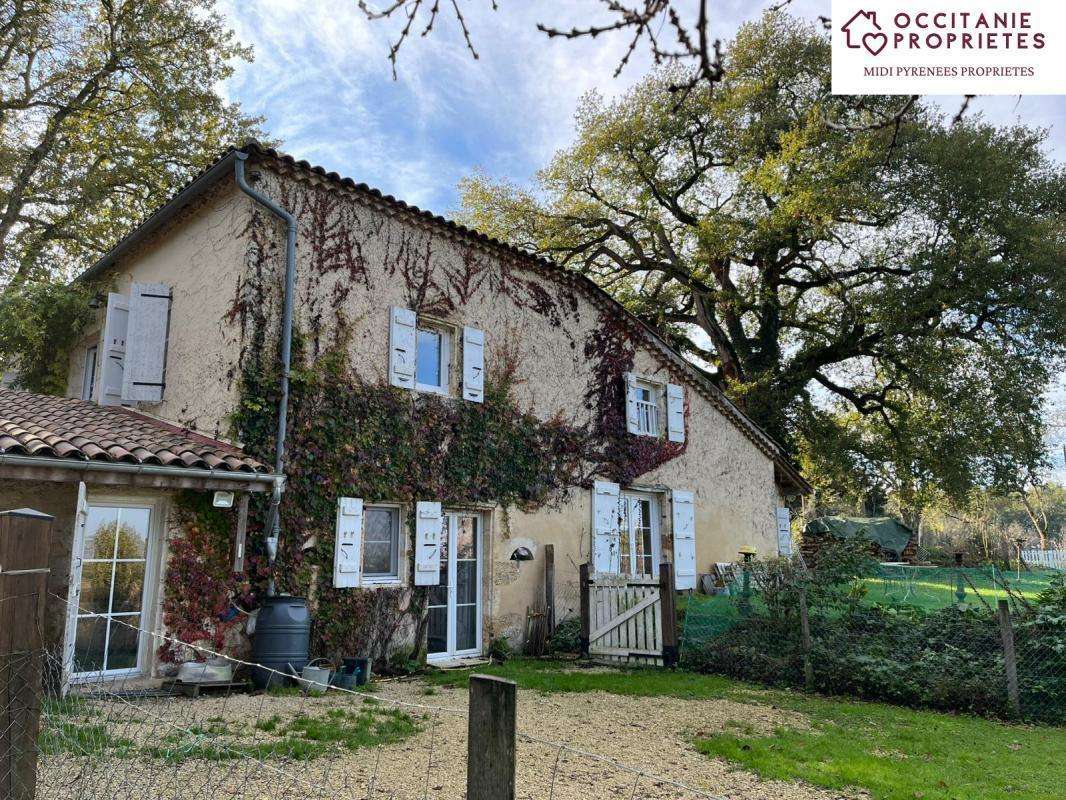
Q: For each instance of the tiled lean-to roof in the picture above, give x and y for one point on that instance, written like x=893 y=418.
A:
x=56 y=427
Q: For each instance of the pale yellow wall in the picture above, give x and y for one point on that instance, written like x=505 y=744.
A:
x=215 y=262
x=201 y=256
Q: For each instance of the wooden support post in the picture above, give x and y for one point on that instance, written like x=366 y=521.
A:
x=490 y=768
x=668 y=605
x=805 y=642
x=25 y=538
x=549 y=586
x=1010 y=663
x=586 y=610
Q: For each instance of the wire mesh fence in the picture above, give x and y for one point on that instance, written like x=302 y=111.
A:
x=954 y=639
x=123 y=736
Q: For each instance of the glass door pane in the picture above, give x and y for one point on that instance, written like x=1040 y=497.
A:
x=466 y=583
x=114 y=560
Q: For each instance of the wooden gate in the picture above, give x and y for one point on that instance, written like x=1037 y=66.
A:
x=625 y=619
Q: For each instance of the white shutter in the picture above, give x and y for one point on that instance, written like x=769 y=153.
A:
x=144 y=375
x=784 y=532
x=348 y=545
x=428 y=521
x=116 y=323
x=81 y=515
x=684 y=524
x=474 y=365
x=675 y=412
x=632 y=423
x=606 y=533
x=402 y=347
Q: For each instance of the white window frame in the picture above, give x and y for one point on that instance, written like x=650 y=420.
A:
x=653 y=411
x=152 y=573
x=396 y=578
x=88 y=379
x=447 y=334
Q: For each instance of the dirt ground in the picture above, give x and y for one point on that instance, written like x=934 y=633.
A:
x=650 y=735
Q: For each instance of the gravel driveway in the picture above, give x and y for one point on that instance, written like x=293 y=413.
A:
x=651 y=734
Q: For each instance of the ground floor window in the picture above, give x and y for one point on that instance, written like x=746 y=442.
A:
x=381 y=543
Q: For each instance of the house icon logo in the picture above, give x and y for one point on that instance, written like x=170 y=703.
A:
x=862 y=30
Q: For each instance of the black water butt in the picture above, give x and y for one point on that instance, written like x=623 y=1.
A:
x=281 y=641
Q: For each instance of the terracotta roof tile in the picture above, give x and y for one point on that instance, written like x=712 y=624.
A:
x=58 y=427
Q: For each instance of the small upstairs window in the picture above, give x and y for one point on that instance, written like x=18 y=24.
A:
x=88 y=380
x=647 y=396
x=432 y=359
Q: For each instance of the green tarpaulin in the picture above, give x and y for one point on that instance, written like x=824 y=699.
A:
x=889 y=533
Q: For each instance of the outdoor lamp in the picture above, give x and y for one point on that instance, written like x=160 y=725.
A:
x=522 y=554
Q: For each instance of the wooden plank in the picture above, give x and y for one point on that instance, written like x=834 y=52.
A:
x=1010 y=663
x=549 y=586
x=25 y=539
x=805 y=642
x=668 y=613
x=490 y=773
x=626 y=615
x=586 y=611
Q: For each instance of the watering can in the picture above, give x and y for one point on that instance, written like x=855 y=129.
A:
x=315 y=679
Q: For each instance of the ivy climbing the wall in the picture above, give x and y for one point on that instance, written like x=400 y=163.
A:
x=349 y=436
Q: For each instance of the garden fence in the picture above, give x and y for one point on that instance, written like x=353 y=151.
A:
x=953 y=639
x=124 y=737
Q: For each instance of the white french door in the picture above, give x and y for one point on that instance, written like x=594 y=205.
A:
x=111 y=571
x=639 y=532
x=454 y=624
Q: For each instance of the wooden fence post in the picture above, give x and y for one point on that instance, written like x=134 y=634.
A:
x=25 y=538
x=1010 y=662
x=805 y=642
x=549 y=586
x=490 y=767
x=586 y=610
x=667 y=603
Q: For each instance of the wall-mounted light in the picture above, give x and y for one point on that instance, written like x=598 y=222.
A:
x=222 y=500
x=97 y=301
x=522 y=554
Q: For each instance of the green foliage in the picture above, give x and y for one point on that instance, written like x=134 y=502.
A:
x=566 y=638
x=948 y=657
x=500 y=649
x=108 y=109
x=887 y=299
x=39 y=324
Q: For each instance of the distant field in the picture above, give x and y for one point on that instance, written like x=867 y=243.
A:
x=927 y=588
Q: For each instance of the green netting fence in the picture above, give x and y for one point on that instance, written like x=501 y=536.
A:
x=922 y=636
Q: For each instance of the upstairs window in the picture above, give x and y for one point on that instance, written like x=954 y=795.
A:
x=88 y=380
x=647 y=396
x=432 y=346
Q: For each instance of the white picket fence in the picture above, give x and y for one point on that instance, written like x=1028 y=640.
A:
x=1054 y=559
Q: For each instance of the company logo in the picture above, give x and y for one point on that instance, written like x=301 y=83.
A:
x=949 y=46
x=873 y=41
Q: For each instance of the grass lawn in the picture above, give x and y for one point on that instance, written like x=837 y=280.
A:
x=893 y=753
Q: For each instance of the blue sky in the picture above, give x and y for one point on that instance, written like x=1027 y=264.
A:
x=323 y=83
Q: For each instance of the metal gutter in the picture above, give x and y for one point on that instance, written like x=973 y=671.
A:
x=76 y=465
